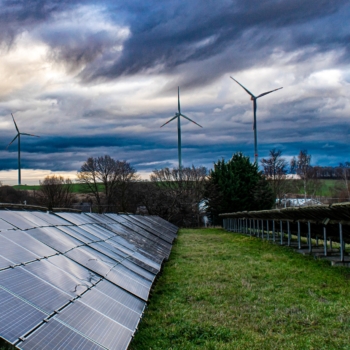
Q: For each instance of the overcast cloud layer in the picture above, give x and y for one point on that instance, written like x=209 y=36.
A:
x=100 y=77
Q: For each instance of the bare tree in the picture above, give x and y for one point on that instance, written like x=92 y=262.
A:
x=343 y=172
x=56 y=192
x=308 y=174
x=275 y=169
x=176 y=196
x=105 y=178
x=123 y=194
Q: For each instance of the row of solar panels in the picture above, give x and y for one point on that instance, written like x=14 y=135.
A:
x=77 y=281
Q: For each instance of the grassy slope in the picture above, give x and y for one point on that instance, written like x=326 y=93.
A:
x=227 y=291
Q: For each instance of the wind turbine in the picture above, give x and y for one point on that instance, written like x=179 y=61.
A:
x=254 y=98
x=178 y=115
x=19 y=147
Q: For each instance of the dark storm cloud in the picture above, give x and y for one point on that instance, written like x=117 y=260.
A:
x=166 y=37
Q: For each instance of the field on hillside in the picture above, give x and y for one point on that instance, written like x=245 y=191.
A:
x=325 y=190
x=228 y=291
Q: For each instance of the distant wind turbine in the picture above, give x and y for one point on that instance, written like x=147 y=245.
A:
x=254 y=98
x=178 y=115
x=19 y=148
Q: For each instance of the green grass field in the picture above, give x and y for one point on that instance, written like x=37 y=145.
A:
x=77 y=188
x=228 y=291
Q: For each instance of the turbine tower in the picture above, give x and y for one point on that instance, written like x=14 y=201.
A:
x=178 y=115
x=19 y=147
x=254 y=98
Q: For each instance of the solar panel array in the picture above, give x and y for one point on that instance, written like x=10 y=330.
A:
x=77 y=281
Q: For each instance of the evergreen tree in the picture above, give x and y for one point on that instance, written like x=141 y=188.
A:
x=237 y=185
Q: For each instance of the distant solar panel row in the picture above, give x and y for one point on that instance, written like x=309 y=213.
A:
x=77 y=281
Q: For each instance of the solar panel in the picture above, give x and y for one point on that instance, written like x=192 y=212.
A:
x=116 y=255
x=128 y=284
x=111 y=308
x=117 y=293
x=16 y=317
x=95 y=270
x=55 y=335
x=14 y=218
x=55 y=238
x=57 y=277
x=4 y=226
x=75 y=234
x=80 y=272
x=27 y=242
x=96 y=326
x=51 y=218
x=90 y=258
x=15 y=253
x=32 y=289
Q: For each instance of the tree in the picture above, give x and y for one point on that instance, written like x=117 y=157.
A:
x=107 y=180
x=275 y=170
x=237 y=185
x=176 y=198
x=343 y=172
x=308 y=174
x=125 y=176
x=56 y=192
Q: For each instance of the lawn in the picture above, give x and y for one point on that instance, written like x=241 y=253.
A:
x=228 y=291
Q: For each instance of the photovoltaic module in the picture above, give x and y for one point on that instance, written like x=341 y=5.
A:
x=77 y=281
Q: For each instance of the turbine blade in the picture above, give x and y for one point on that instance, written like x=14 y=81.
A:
x=243 y=87
x=170 y=120
x=190 y=120
x=178 y=99
x=12 y=141
x=269 y=92
x=15 y=123
x=22 y=133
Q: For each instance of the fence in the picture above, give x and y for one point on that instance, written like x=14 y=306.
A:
x=302 y=228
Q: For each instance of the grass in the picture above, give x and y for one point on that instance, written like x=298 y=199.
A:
x=228 y=291
x=76 y=188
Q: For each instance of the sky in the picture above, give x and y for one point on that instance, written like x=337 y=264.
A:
x=100 y=77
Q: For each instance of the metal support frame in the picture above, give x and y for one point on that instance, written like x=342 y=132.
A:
x=250 y=227
x=268 y=231
x=257 y=227
x=273 y=231
x=309 y=236
x=341 y=241
x=262 y=229
x=324 y=241
x=281 y=227
x=299 y=238
x=289 y=234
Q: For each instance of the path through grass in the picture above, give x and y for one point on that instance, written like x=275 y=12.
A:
x=228 y=291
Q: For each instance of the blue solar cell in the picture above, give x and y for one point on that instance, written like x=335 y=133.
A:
x=96 y=326
x=16 y=316
x=56 y=336
x=4 y=226
x=34 y=290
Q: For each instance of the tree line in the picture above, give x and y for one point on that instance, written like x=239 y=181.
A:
x=181 y=196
